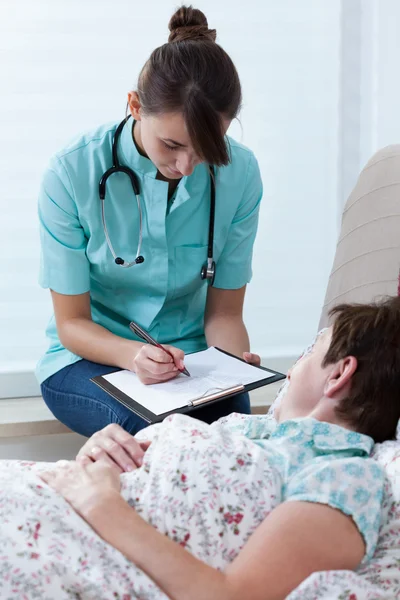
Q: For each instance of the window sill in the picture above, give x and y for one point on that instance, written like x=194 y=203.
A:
x=27 y=417
x=20 y=417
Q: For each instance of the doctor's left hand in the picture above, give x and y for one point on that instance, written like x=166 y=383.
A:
x=252 y=359
x=85 y=485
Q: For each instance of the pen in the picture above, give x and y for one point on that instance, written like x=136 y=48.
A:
x=147 y=338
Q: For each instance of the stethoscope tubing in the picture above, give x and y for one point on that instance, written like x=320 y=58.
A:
x=208 y=270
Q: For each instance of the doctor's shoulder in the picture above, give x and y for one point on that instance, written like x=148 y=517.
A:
x=83 y=152
x=71 y=179
x=242 y=174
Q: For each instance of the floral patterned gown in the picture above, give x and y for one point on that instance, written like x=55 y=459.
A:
x=206 y=487
x=209 y=496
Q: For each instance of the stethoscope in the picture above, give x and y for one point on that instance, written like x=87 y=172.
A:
x=207 y=270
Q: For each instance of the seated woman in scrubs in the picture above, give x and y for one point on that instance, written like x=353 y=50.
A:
x=187 y=94
x=246 y=507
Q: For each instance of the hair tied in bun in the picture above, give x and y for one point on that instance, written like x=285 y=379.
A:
x=189 y=23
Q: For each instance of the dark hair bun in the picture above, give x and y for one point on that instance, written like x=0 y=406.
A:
x=189 y=23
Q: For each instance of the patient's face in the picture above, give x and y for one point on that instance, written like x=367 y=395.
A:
x=307 y=381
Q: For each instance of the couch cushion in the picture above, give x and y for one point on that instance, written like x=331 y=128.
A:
x=367 y=257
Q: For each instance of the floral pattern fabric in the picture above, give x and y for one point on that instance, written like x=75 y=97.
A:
x=206 y=487
x=210 y=494
x=321 y=462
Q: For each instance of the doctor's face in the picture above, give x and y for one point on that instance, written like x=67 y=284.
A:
x=165 y=141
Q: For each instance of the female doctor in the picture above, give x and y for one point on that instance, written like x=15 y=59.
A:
x=129 y=231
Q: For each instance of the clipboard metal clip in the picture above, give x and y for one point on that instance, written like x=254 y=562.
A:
x=220 y=394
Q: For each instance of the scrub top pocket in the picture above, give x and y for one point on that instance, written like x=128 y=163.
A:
x=187 y=264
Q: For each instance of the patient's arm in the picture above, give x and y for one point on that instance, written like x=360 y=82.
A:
x=295 y=540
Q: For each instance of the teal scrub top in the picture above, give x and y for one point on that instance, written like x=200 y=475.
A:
x=165 y=294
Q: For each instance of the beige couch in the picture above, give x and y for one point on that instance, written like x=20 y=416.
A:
x=367 y=259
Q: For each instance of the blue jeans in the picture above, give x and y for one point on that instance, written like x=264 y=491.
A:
x=85 y=408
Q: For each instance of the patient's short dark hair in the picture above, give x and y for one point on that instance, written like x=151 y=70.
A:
x=370 y=333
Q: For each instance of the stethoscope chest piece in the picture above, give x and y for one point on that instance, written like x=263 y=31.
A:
x=208 y=271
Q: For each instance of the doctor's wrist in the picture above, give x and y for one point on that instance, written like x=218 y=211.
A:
x=127 y=354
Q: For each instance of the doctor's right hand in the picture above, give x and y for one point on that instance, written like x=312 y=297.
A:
x=153 y=365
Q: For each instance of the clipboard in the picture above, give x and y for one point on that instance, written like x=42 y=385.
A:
x=192 y=406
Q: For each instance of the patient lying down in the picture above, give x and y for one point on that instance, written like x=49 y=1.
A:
x=244 y=508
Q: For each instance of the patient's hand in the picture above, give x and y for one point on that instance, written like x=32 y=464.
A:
x=116 y=447
x=85 y=485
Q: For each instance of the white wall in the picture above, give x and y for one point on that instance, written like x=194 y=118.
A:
x=292 y=123
x=387 y=69
x=370 y=84
x=67 y=65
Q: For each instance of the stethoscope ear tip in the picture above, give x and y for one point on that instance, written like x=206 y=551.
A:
x=139 y=260
x=119 y=261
